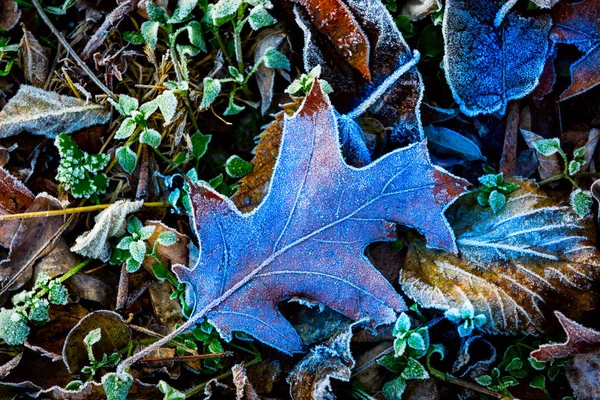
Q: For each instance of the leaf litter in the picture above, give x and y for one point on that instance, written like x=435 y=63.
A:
x=247 y=260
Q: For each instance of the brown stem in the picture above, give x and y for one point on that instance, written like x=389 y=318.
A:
x=123 y=288
x=185 y=358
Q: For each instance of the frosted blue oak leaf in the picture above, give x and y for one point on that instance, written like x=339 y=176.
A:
x=308 y=236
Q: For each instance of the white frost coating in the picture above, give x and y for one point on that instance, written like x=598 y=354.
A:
x=109 y=223
x=48 y=113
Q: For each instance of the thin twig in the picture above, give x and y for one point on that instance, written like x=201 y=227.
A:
x=74 y=210
x=67 y=46
x=185 y=358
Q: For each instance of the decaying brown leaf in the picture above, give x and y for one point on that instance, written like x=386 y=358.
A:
x=109 y=223
x=15 y=198
x=531 y=257
x=34 y=59
x=265 y=77
x=115 y=336
x=311 y=377
x=10 y=14
x=243 y=388
x=547 y=165
x=255 y=186
x=48 y=113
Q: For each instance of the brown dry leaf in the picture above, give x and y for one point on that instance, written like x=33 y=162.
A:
x=15 y=199
x=531 y=257
x=265 y=77
x=48 y=113
x=548 y=165
x=33 y=239
x=10 y=14
x=167 y=310
x=109 y=223
x=580 y=340
x=335 y=20
x=243 y=388
x=177 y=253
x=255 y=186
x=34 y=59
x=9 y=365
x=115 y=336
x=311 y=377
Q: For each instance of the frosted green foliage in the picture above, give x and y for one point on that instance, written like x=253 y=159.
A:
x=199 y=144
x=30 y=306
x=212 y=88
x=133 y=248
x=116 y=386
x=170 y=392
x=151 y=137
x=236 y=167
x=224 y=10
x=232 y=108
x=466 y=319
x=259 y=18
x=183 y=10
x=93 y=337
x=581 y=201
x=493 y=191
x=127 y=158
x=78 y=171
x=150 y=32
x=273 y=58
x=302 y=85
x=548 y=147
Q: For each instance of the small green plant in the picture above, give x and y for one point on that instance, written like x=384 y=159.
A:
x=410 y=344
x=116 y=386
x=137 y=117
x=517 y=365
x=133 y=247
x=89 y=341
x=302 y=85
x=79 y=171
x=465 y=318
x=6 y=61
x=170 y=392
x=205 y=338
x=493 y=190
x=181 y=197
x=31 y=306
x=581 y=200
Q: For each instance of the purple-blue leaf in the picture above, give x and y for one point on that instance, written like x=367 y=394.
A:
x=307 y=238
x=487 y=66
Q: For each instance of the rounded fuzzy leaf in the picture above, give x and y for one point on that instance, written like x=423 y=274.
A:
x=150 y=137
x=273 y=58
x=212 y=88
x=237 y=167
x=513 y=266
x=167 y=238
x=138 y=250
x=127 y=159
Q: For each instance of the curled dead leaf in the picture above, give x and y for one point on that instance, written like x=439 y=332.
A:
x=34 y=59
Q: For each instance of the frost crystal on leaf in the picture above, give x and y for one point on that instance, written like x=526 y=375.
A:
x=311 y=230
x=487 y=66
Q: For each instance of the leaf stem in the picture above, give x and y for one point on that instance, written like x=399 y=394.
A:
x=551 y=179
x=74 y=210
x=74 y=270
x=72 y=52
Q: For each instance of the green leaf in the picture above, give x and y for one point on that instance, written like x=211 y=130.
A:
x=150 y=33
x=484 y=380
x=170 y=392
x=414 y=370
x=416 y=341
x=199 y=144
x=126 y=129
x=537 y=365
x=157 y=13
x=167 y=238
x=38 y=311
x=183 y=10
x=547 y=147
x=224 y=10
x=127 y=159
x=236 y=167
x=124 y=243
x=195 y=36
x=13 y=327
x=134 y=225
x=579 y=153
x=394 y=389
x=116 y=387
x=575 y=167
x=236 y=74
x=582 y=202
x=160 y=271
x=92 y=337
x=402 y=324
x=212 y=88
x=150 y=137
x=146 y=232
x=496 y=201
x=392 y=363
x=514 y=365
x=126 y=105
x=259 y=18
x=431 y=41
x=273 y=58
x=132 y=265
x=138 y=250
x=133 y=37
x=232 y=108
x=167 y=103
x=399 y=346
x=57 y=293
